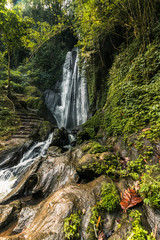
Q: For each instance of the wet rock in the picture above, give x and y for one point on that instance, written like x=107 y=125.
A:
x=20 y=184
x=121 y=232
x=77 y=154
x=26 y=217
x=60 y=137
x=109 y=222
x=46 y=175
x=88 y=159
x=13 y=156
x=9 y=212
x=153 y=218
x=45 y=220
x=54 y=173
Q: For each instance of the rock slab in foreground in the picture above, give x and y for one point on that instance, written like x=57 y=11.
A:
x=45 y=220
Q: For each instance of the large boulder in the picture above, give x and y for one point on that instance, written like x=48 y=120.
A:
x=46 y=220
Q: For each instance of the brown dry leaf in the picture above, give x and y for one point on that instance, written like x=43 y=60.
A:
x=130 y=198
x=145 y=160
x=145 y=129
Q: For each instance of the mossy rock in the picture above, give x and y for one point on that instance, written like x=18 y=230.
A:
x=97 y=164
x=90 y=129
x=43 y=131
x=93 y=147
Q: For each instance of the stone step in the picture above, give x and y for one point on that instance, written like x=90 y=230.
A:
x=20 y=136
x=25 y=128
x=23 y=124
x=23 y=132
x=30 y=118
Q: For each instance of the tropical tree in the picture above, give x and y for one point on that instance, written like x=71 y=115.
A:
x=13 y=33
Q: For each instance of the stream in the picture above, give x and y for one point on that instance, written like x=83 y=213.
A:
x=69 y=105
x=8 y=176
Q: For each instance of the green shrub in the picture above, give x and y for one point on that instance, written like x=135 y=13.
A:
x=34 y=102
x=18 y=88
x=32 y=91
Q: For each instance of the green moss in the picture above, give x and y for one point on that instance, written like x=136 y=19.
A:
x=97 y=87
x=109 y=166
x=90 y=128
x=8 y=123
x=71 y=226
x=134 y=86
x=94 y=147
x=136 y=165
x=150 y=186
x=43 y=131
x=138 y=232
x=109 y=200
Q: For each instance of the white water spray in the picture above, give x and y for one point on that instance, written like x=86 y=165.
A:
x=8 y=176
x=69 y=102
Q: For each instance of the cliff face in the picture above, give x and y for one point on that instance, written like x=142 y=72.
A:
x=132 y=96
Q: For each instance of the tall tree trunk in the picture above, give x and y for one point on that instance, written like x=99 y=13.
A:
x=9 y=84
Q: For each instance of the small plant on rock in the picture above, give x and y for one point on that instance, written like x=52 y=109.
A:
x=138 y=232
x=71 y=226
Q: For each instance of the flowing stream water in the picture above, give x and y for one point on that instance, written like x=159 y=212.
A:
x=8 y=176
x=69 y=105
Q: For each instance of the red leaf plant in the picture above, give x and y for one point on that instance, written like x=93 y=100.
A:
x=129 y=199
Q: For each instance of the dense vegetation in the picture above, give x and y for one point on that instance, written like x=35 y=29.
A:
x=120 y=43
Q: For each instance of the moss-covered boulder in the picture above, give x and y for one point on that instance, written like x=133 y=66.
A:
x=93 y=165
x=42 y=131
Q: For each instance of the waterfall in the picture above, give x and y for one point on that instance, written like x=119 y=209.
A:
x=8 y=176
x=68 y=102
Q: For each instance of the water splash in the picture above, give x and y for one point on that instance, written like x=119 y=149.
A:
x=9 y=176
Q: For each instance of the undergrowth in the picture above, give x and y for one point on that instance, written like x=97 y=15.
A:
x=72 y=225
x=108 y=202
x=138 y=232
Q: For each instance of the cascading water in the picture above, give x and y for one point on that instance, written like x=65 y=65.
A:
x=8 y=176
x=69 y=106
x=69 y=101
